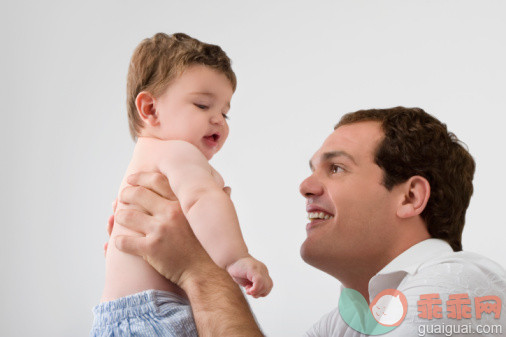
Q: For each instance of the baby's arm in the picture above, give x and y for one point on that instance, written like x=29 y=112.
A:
x=211 y=215
x=207 y=207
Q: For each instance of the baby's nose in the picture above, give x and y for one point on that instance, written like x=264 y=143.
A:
x=218 y=119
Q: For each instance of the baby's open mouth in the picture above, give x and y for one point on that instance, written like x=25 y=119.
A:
x=212 y=138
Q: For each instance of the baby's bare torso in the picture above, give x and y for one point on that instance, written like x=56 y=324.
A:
x=128 y=274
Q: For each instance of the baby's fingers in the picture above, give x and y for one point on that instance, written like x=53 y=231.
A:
x=256 y=289
x=262 y=286
x=242 y=282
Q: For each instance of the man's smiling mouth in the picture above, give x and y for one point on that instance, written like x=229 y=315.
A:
x=319 y=215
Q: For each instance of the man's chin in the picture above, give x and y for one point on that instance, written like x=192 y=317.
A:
x=307 y=254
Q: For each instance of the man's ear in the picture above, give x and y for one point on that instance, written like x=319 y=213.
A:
x=415 y=195
x=145 y=103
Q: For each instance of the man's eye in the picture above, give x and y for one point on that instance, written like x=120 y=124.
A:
x=334 y=168
x=225 y=116
x=201 y=106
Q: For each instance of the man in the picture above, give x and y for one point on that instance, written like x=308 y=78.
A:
x=386 y=200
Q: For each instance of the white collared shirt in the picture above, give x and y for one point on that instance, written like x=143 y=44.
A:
x=431 y=267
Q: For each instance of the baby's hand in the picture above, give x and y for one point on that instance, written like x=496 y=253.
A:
x=252 y=275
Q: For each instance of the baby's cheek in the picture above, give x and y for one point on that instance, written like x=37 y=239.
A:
x=224 y=136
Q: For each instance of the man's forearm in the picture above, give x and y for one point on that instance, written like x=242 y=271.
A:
x=218 y=305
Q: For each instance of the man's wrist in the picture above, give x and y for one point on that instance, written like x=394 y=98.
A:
x=218 y=304
x=195 y=278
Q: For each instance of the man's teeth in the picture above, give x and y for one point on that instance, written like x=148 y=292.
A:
x=318 y=215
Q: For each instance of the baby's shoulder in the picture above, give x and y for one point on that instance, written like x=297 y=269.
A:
x=181 y=155
x=171 y=154
x=184 y=152
x=179 y=145
x=173 y=149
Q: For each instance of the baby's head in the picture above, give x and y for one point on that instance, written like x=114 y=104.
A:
x=179 y=88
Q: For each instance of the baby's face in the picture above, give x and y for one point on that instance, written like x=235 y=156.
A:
x=193 y=108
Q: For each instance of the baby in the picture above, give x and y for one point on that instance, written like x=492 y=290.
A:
x=178 y=95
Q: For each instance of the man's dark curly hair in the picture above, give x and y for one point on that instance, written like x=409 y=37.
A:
x=416 y=143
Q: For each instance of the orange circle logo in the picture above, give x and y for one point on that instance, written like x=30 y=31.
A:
x=389 y=307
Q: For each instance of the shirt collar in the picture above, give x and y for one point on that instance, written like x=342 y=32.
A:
x=407 y=262
x=411 y=259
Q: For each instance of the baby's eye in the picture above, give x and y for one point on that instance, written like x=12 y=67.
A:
x=201 y=106
x=334 y=168
x=225 y=116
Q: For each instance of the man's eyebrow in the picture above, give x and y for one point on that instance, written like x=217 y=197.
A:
x=210 y=94
x=329 y=155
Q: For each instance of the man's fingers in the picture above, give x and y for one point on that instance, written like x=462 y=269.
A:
x=134 y=245
x=114 y=205
x=154 y=181
x=135 y=220
x=110 y=224
x=144 y=200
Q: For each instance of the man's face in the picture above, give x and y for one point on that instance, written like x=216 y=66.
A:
x=194 y=108
x=349 y=208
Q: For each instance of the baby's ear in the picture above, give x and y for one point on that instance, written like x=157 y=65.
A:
x=145 y=103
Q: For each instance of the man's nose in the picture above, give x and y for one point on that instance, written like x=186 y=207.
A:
x=311 y=186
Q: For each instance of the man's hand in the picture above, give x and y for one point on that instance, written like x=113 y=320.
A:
x=168 y=244
x=162 y=187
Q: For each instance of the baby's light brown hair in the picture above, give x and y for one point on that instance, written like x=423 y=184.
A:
x=160 y=59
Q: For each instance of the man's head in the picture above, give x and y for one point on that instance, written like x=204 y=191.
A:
x=385 y=176
x=158 y=61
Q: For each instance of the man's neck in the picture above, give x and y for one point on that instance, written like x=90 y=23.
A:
x=358 y=277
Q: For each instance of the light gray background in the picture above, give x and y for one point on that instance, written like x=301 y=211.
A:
x=65 y=142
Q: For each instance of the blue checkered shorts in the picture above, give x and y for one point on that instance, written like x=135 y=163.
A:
x=149 y=313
